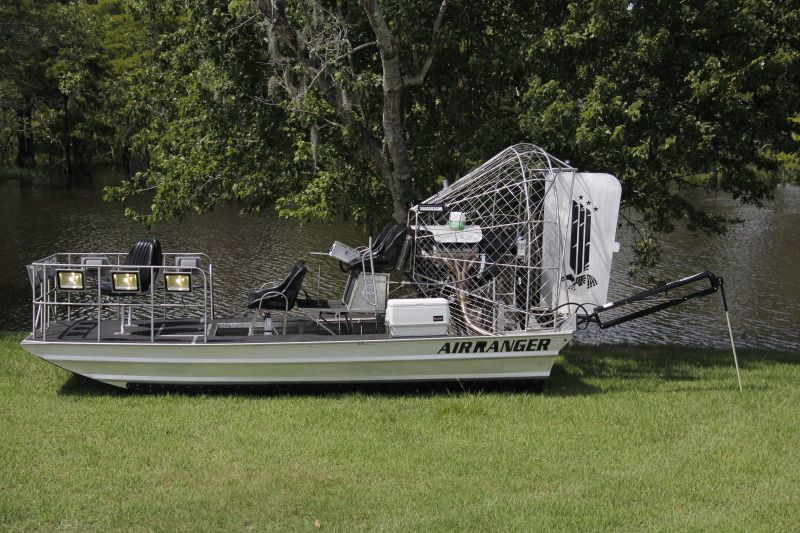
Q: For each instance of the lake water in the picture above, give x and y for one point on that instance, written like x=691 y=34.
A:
x=759 y=259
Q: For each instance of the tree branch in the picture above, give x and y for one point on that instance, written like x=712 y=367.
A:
x=274 y=11
x=420 y=77
x=317 y=48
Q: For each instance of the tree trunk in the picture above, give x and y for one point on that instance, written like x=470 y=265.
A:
x=399 y=181
x=389 y=154
x=25 y=154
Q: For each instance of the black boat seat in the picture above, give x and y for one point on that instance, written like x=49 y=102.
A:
x=281 y=296
x=495 y=244
x=380 y=241
x=385 y=250
x=146 y=252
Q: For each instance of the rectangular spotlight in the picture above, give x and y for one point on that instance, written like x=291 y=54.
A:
x=177 y=282
x=69 y=280
x=125 y=281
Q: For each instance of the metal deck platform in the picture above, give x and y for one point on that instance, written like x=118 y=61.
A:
x=191 y=331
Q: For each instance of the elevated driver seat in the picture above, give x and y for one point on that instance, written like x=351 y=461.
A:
x=281 y=296
x=385 y=250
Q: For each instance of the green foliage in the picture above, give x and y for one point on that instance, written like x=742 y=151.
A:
x=658 y=93
x=321 y=170
x=8 y=121
x=216 y=109
x=215 y=129
x=59 y=80
x=789 y=160
x=467 y=109
x=186 y=118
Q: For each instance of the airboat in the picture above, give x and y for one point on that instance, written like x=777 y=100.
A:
x=487 y=279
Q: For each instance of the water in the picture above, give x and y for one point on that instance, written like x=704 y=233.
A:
x=45 y=217
x=758 y=258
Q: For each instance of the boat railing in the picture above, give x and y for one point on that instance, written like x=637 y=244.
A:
x=510 y=288
x=81 y=286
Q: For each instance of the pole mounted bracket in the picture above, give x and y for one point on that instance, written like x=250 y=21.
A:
x=657 y=299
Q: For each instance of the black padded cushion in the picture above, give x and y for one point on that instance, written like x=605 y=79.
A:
x=146 y=252
x=385 y=250
x=289 y=288
x=380 y=241
x=496 y=243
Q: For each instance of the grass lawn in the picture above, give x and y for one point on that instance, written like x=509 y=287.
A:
x=623 y=438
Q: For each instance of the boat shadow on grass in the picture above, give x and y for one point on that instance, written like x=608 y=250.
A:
x=80 y=386
x=638 y=366
x=579 y=371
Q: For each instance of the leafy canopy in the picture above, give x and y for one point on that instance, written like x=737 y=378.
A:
x=665 y=94
x=324 y=108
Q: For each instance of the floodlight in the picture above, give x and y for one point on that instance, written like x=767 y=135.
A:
x=69 y=280
x=125 y=281
x=177 y=282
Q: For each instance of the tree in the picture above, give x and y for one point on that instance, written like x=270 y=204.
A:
x=326 y=108
x=315 y=56
x=374 y=107
x=662 y=94
x=22 y=58
x=194 y=107
x=790 y=160
x=54 y=79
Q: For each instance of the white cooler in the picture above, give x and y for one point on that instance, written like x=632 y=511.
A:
x=417 y=317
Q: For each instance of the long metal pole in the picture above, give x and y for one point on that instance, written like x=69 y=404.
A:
x=152 y=303
x=211 y=286
x=34 y=283
x=99 y=302
x=730 y=331
x=733 y=347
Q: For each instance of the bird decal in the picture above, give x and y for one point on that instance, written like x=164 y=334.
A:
x=580 y=281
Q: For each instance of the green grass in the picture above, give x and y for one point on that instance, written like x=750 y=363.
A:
x=621 y=438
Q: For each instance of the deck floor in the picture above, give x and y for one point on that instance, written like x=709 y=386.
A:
x=238 y=330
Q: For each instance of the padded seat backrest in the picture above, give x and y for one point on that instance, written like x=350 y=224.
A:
x=146 y=252
x=293 y=283
x=380 y=241
x=280 y=296
x=393 y=244
x=386 y=254
x=496 y=243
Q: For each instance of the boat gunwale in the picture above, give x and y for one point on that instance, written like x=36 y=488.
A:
x=332 y=339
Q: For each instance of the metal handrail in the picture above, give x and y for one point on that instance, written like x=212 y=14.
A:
x=45 y=295
x=272 y=294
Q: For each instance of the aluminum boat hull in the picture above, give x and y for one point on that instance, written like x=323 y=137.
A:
x=524 y=356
